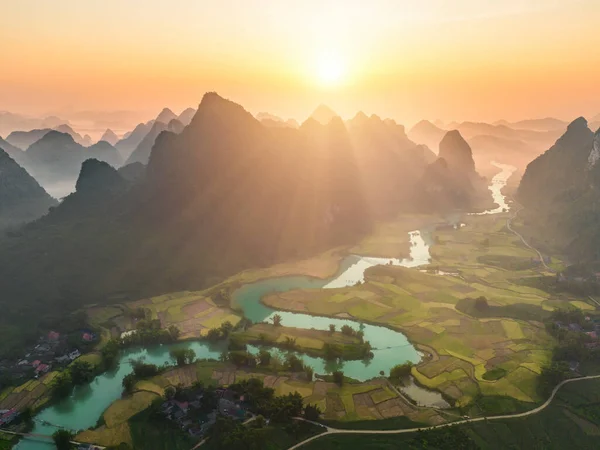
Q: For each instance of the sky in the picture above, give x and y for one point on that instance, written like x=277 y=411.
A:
x=479 y=60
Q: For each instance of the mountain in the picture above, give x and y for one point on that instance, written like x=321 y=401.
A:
x=142 y=151
x=539 y=139
x=55 y=160
x=105 y=152
x=561 y=192
x=22 y=199
x=426 y=133
x=165 y=116
x=131 y=140
x=132 y=172
x=186 y=116
x=110 y=137
x=546 y=124
x=224 y=195
x=507 y=151
x=271 y=120
x=14 y=152
x=81 y=140
x=10 y=122
x=451 y=181
x=23 y=139
x=323 y=114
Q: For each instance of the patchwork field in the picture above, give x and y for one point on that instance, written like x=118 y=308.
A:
x=305 y=340
x=33 y=394
x=193 y=313
x=505 y=339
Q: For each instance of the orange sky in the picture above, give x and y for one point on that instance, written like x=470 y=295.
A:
x=406 y=59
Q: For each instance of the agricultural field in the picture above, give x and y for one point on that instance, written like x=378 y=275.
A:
x=310 y=341
x=496 y=351
x=192 y=312
x=31 y=394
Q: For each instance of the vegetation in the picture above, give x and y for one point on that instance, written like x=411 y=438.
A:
x=401 y=370
x=62 y=439
x=183 y=356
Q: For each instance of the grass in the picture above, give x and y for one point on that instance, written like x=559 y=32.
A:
x=121 y=410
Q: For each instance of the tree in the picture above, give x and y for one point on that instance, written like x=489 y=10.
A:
x=81 y=372
x=347 y=330
x=170 y=392
x=174 y=332
x=110 y=353
x=401 y=370
x=309 y=372
x=129 y=383
x=214 y=334
x=481 y=303
x=293 y=363
x=290 y=342
x=62 y=384
x=338 y=377
x=331 y=328
x=183 y=356
x=226 y=328
x=293 y=428
x=62 y=439
x=277 y=320
x=264 y=357
x=312 y=412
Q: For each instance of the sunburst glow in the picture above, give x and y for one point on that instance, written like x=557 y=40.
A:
x=331 y=70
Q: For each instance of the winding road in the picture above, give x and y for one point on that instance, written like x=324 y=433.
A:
x=540 y=408
x=520 y=236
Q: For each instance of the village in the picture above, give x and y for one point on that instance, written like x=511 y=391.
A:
x=53 y=350
x=195 y=410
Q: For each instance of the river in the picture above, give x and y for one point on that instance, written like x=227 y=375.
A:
x=87 y=403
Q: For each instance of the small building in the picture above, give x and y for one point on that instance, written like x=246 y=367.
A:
x=7 y=416
x=53 y=336
x=62 y=359
x=575 y=327
x=87 y=337
x=74 y=355
x=36 y=363
x=42 y=369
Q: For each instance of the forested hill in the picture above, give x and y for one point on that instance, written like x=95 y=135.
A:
x=561 y=190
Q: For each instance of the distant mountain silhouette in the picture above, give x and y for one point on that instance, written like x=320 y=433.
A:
x=142 y=151
x=14 y=152
x=186 y=116
x=110 y=137
x=22 y=199
x=98 y=177
x=23 y=139
x=547 y=124
x=131 y=140
x=86 y=141
x=57 y=158
x=165 y=116
x=451 y=181
x=427 y=133
x=323 y=114
x=10 y=122
x=561 y=190
x=273 y=121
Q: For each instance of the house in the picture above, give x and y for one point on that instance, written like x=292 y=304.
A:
x=183 y=406
x=42 y=369
x=7 y=416
x=62 y=359
x=74 y=355
x=36 y=363
x=87 y=337
x=592 y=334
x=575 y=327
x=53 y=336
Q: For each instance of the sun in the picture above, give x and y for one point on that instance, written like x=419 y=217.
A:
x=330 y=70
